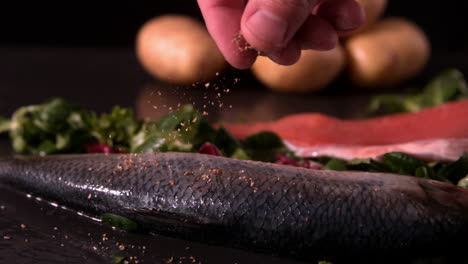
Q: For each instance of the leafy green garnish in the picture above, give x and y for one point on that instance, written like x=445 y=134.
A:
x=226 y=142
x=448 y=86
x=117 y=259
x=54 y=127
x=402 y=163
x=184 y=130
x=58 y=126
x=119 y=222
x=463 y=182
x=455 y=171
x=263 y=146
x=5 y=124
x=369 y=165
x=239 y=153
x=116 y=129
x=335 y=164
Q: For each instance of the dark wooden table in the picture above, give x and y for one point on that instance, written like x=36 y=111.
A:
x=34 y=231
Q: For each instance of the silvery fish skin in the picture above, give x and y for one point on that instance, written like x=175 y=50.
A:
x=254 y=205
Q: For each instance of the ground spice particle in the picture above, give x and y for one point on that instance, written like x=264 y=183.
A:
x=121 y=247
x=216 y=171
x=23 y=226
x=171 y=182
x=7 y=237
x=2 y=207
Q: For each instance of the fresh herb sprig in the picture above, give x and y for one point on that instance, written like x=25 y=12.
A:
x=400 y=163
x=448 y=86
x=58 y=126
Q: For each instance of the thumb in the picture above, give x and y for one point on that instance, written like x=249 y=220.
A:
x=268 y=25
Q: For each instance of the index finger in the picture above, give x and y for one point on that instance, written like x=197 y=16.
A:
x=222 y=18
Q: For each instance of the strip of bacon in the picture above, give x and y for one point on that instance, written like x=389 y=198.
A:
x=434 y=134
x=428 y=150
x=449 y=120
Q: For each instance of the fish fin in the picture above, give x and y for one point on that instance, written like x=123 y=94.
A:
x=445 y=194
x=187 y=227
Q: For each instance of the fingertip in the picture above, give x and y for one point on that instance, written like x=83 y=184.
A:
x=242 y=60
x=239 y=53
x=270 y=25
x=343 y=15
x=317 y=34
x=287 y=56
x=222 y=19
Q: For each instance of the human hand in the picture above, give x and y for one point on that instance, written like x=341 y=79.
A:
x=279 y=29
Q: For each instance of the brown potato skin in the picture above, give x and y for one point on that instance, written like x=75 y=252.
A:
x=313 y=72
x=178 y=49
x=391 y=51
x=373 y=9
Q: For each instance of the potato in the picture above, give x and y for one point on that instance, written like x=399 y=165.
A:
x=391 y=51
x=178 y=49
x=373 y=9
x=314 y=71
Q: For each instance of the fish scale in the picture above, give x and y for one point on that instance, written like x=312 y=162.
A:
x=259 y=206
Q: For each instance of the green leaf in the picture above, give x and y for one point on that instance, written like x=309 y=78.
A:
x=456 y=170
x=463 y=182
x=369 y=165
x=5 y=125
x=240 y=154
x=335 y=164
x=387 y=104
x=226 y=142
x=448 y=86
x=183 y=119
x=402 y=163
x=263 y=140
x=117 y=259
x=56 y=126
x=119 y=222
x=263 y=146
x=184 y=130
x=115 y=129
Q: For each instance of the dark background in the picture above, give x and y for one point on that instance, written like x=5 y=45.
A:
x=116 y=24
x=84 y=53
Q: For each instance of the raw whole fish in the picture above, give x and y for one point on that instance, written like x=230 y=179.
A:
x=253 y=205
